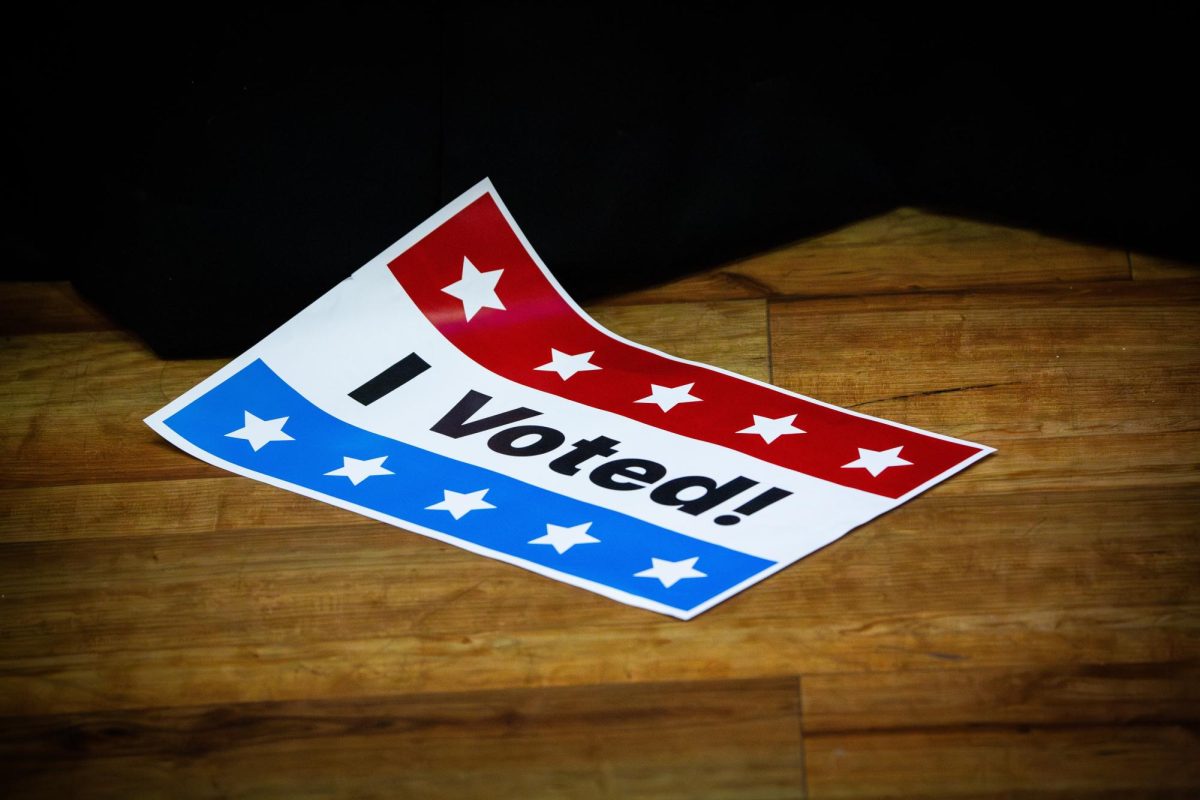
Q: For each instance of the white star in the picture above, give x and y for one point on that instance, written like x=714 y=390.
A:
x=358 y=470
x=566 y=366
x=476 y=289
x=771 y=429
x=259 y=432
x=460 y=504
x=671 y=572
x=876 y=461
x=667 y=398
x=563 y=539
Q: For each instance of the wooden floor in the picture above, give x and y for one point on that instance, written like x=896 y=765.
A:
x=1028 y=629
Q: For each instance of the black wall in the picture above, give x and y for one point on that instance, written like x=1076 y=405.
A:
x=204 y=175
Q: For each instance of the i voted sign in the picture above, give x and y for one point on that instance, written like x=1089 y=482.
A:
x=451 y=387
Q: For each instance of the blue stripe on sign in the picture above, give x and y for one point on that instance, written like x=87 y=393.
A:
x=320 y=441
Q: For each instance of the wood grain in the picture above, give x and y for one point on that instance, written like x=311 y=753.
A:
x=1029 y=628
x=182 y=506
x=29 y=307
x=959 y=695
x=1100 y=762
x=1054 y=377
x=79 y=398
x=964 y=581
x=905 y=250
x=705 y=740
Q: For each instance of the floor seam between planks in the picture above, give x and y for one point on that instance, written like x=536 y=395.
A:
x=1001 y=727
x=803 y=736
x=917 y=291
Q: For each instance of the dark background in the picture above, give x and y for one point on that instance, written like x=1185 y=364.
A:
x=205 y=174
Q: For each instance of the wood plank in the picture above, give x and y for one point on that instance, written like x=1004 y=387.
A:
x=289 y=613
x=71 y=410
x=1096 y=383
x=47 y=307
x=1156 y=268
x=905 y=250
x=726 y=739
x=622 y=646
x=1049 y=551
x=1102 y=762
x=105 y=510
x=73 y=403
x=1030 y=628
x=957 y=696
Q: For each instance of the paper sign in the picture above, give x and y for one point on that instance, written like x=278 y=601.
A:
x=450 y=387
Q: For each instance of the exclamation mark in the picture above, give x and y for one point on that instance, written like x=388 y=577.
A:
x=750 y=506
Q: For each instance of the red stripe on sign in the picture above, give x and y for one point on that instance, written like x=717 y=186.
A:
x=519 y=316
